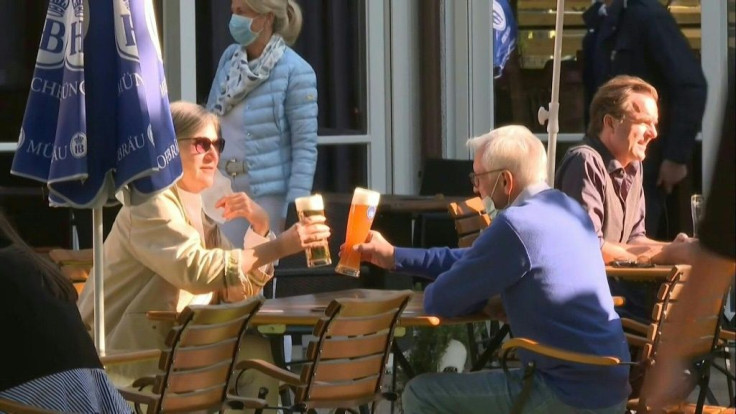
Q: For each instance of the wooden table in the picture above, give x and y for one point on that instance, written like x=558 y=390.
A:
x=642 y=274
x=306 y=310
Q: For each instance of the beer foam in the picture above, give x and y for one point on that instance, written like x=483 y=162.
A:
x=366 y=197
x=310 y=203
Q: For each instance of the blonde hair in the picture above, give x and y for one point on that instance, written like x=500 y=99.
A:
x=287 y=16
x=189 y=118
x=514 y=148
x=612 y=98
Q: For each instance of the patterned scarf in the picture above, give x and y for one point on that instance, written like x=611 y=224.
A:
x=245 y=76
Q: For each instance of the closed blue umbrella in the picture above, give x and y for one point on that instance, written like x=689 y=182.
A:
x=97 y=124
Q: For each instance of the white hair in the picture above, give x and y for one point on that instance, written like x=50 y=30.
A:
x=514 y=148
x=287 y=16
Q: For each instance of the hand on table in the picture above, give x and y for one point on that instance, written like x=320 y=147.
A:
x=376 y=250
x=240 y=205
x=677 y=252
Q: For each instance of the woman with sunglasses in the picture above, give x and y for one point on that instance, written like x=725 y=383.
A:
x=165 y=254
x=266 y=96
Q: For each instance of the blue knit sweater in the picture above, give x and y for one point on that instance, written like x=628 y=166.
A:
x=542 y=256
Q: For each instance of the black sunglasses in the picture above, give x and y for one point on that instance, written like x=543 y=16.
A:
x=203 y=144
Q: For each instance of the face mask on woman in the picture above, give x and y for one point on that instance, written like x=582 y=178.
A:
x=240 y=29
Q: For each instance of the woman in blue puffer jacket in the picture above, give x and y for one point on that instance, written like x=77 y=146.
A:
x=266 y=97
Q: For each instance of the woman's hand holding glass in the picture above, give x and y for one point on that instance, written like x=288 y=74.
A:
x=240 y=205
x=309 y=232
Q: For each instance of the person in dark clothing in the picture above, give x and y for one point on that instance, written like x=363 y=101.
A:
x=47 y=359
x=641 y=38
x=714 y=262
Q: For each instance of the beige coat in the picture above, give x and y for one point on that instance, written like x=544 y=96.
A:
x=151 y=256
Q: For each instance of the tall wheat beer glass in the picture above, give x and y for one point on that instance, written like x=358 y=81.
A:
x=362 y=211
x=314 y=206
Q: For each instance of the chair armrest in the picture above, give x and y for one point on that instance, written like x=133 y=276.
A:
x=137 y=397
x=168 y=316
x=122 y=357
x=270 y=370
x=619 y=301
x=143 y=382
x=634 y=325
x=558 y=353
x=237 y=402
x=11 y=406
x=636 y=340
x=727 y=335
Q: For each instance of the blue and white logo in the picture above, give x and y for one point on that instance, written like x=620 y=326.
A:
x=503 y=34
x=78 y=145
x=58 y=7
x=125 y=34
x=371 y=212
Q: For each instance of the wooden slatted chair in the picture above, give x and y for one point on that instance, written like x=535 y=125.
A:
x=703 y=334
x=198 y=363
x=75 y=264
x=704 y=339
x=346 y=360
x=470 y=219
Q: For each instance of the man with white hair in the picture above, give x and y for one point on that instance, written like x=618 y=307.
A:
x=541 y=255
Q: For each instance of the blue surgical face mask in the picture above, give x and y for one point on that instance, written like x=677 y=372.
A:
x=240 y=29
x=488 y=205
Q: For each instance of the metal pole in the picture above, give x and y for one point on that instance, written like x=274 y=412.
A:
x=553 y=124
x=99 y=322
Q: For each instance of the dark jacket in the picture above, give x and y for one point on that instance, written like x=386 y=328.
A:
x=641 y=38
x=42 y=335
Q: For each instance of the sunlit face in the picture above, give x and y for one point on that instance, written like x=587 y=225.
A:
x=482 y=179
x=260 y=21
x=631 y=134
x=199 y=168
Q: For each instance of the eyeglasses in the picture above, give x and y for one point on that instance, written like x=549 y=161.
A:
x=474 y=177
x=203 y=144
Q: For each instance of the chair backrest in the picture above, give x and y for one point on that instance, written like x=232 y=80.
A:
x=347 y=358
x=75 y=264
x=702 y=331
x=203 y=345
x=470 y=219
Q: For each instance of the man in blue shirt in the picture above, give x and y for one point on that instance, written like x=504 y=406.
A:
x=541 y=255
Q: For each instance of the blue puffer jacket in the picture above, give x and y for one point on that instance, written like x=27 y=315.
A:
x=278 y=144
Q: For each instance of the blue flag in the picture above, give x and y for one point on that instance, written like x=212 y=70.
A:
x=504 y=35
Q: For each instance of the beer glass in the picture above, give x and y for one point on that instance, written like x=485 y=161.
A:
x=697 y=204
x=360 y=218
x=314 y=206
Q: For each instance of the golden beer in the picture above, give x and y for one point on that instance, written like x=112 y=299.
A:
x=314 y=206
x=360 y=219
